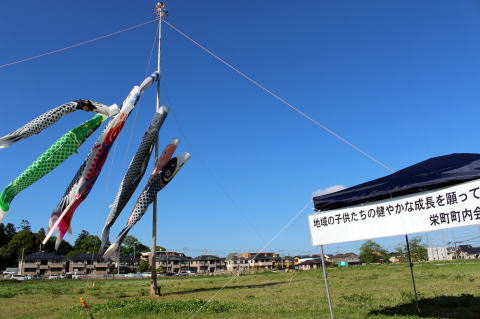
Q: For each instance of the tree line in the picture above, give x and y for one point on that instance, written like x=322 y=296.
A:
x=372 y=252
x=15 y=241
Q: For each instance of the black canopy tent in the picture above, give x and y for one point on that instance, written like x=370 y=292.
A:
x=428 y=175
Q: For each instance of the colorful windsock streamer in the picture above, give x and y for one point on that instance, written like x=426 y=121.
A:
x=158 y=180
x=49 y=118
x=67 y=198
x=135 y=172
x=94 y=163
x=62 y=149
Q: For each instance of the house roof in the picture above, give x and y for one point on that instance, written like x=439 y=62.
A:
x=314 y=261
x=351 y=255
x=95 y=257
x=207 y=257
x=469 y=249
x=44 y=256
x=310 y=256
x=173 y=257
x=431 y=174
x=235 y=257
x=128 y=258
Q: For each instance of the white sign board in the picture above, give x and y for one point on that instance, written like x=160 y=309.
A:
x=448 y=207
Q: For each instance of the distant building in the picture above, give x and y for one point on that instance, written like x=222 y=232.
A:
x=11 y=270
x=173 y=263
x=160 y=253
x=235 y=262
x=468 y=252
x=208 y=264
x=284 y=262
x=248 y=255
x=89 y=264
x=301 y=258
x=261 y=262
x=395 y=258
x=43 y=264
x=312 y=263
x=350 y=258
x=127 y=264
x=438 y=253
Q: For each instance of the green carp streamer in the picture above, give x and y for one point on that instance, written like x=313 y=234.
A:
x=49 y=160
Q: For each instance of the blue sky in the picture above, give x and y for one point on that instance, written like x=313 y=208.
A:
x=400 y=80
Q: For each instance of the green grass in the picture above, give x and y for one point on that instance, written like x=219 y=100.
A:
x=447 y=290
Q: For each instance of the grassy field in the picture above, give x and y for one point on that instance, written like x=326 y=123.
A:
x=448 y=290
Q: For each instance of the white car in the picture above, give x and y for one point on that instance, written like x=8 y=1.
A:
x=186 y=273
x=53 y=277
x=18 y=277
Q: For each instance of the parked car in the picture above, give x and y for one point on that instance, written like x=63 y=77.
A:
x=18 y=277
x=186 y=273
x=146 y=275
x=53 y=277
x=75 y=276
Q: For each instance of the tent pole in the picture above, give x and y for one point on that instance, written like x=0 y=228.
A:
x=326 y=282
x=411 y=271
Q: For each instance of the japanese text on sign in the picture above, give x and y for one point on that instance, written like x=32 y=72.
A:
x=447 y=207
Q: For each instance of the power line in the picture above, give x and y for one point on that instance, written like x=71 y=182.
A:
x=296 y=109
x=77 y=44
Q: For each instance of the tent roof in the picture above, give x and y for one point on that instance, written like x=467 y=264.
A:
x=433 y=173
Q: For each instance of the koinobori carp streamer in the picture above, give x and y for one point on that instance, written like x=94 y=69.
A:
x=94 y=163
x=159 y=178
x=62 y=149
x=134 y=173
x=47 y=119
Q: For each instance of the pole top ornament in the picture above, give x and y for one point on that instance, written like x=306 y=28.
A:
x=160 y=10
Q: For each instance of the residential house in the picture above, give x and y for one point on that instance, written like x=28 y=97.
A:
x=312 y=263
x=90 y=264
x=207 y=264
x=43 y=264
x=350 y=258
x=468 y=252
x=301 y=258
x=261 y=262
x=284 y=262
x=248 y=255
x=235 y=262
x=160 y=253
x=173 y=263
x=395 y=258
x=127 y=264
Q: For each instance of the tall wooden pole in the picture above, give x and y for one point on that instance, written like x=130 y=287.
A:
x=160 y=11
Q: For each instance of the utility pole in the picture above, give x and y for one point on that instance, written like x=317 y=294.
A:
x=161 y=12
